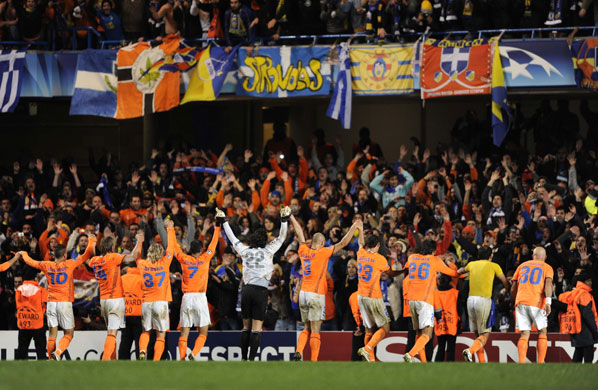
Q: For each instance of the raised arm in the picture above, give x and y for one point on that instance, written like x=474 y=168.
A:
x=237 y=245
x=275 y=244
x=9 y=263
x=29 y=261
x=361 y=236
x=172 y=243
x=214 y=242
x=298 y=230
x=136 y=253
x=443 y=268
x=346 y=239
x=88 y=251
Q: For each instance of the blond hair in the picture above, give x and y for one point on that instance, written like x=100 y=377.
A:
x=352 y=262
x=155 y=252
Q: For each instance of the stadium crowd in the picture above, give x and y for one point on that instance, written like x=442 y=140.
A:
x=236 y=21
x=470 y=197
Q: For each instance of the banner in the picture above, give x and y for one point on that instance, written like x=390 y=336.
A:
x=49 y=74
x=280 y=72
x=336 y=346
x=452 y=68
x=382 y=70
x=95 y=85
x=501 y=117
x=536 y=63
x=11 y=72
x=584 y=54
x=140 y=92
x=208 y=76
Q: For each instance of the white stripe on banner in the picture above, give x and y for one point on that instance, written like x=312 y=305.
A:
x=94 y=80
x=341 y=100
x=285 y=63
x=8 y=56
x=5 y=76
x=13 y=91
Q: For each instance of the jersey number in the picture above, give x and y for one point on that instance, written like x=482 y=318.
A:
x=533 y=277
x=306 y=267
x=100 y=273
x=365 y=272
x=149 y=279
x=422 y=273
x=58 y=277
x=194 y=269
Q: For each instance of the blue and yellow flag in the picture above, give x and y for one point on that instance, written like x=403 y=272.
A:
x=382 y=70
x=209 y=74
x=500 y=110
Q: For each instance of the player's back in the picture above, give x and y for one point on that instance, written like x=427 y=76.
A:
x=369 y=267
x=61 y=286
x=257 y=266
x=107 y=272
x=422 y=277
x=156 y=279
x=314 y=264
x=195 y=271
x=531 y=278
x=481 y=277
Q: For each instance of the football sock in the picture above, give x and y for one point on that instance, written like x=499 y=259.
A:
x=314 y=344
x=419 y=346
x=245 y=343
x=51 y=346
x=367 y=338
x=144 y=341
x=477 y=344
x=376 y=338
x=254 y=344
x=481 y=355
x=109 y=347
x=200 y=341
x=158 y=348
x=522 y=349
x=64 y=344
x=542 y=347
x=303 y=337
x=182 y=348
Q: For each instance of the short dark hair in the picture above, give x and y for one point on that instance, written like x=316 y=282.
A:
x=428 y=247
x=371 y=241
x=258 y=239
x=584 y=276
x=196 y=246
x=59 y=251
x=484 y=253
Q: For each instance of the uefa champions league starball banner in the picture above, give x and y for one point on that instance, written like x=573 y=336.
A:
x=280 y=346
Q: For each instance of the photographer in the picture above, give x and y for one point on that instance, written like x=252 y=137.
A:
x=334 y=13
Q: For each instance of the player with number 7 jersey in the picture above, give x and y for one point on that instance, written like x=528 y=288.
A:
x=156 y=292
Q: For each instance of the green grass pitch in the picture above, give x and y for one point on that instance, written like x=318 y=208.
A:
x=86 y=375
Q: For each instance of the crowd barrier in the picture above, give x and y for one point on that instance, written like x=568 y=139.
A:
x=336 y=346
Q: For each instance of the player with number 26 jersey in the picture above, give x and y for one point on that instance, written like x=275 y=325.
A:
x=422 y=277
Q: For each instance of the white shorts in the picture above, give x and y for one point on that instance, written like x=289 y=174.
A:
x=528 y=315
x=422 y=314
x=373 y=311
x=154 y=315
x=478 y=310
x=60 y=314
x=113 y=311
x=194 y=310
x=312 y=306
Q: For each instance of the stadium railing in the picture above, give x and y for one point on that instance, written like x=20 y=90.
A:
x=531 y=33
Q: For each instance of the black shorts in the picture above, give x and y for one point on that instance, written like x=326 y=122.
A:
x=254 y=301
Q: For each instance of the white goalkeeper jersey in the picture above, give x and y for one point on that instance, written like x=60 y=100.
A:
x=257 y=262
